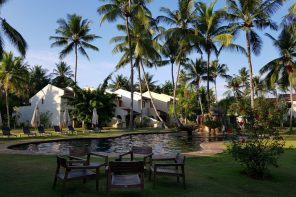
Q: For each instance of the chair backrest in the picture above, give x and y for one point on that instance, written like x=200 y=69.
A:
x=6 y=131
x=41 y=129
x=57 y=128
x=180 y=159
x=142 y=149
x=78 y=152
x=26 y=130
x=126 y=167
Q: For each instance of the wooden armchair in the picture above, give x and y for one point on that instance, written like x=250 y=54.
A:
x=6 y=132
x=41 y=131
x=68 y=170
x=72 y=130
x=58 y=130
x=167 y=168
x=26 y=131
x=144 y=151
x=125 y=174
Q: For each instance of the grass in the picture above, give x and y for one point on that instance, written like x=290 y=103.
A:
x=219 y=175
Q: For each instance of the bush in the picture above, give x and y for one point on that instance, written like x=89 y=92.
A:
x=257 y=152
x=188 y=127
x=45 y=119
x=145 y=122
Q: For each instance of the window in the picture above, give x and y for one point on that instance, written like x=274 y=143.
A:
x=42 y=101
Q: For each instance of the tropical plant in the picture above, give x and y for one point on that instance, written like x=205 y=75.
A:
x=126 y=10
x=73 y=34
x=195 y=71
x=243 y=75
x=38 y=79
x=233 y=87
x=248 y=15
x=151 y=84
x=212 y=31
x=119 y=82
x=14 y=78
x=281 y=69
x=62 y=75
x=13 y=35
x=167 y=88
x=218 y=70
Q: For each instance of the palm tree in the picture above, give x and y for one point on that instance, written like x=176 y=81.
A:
x=249 y=15
x=151 y=83
x=126 y=10
x=13 y=78
x=218 y=70
x=13 y=35
x=167 y=88
x=282 y=68
x=234 y=86
x=38 y=79
x=120 y=82
x=181 y=29
x=62 y=75
x=244 y=78
x=210 y=28
x=73 y=34
x=196 y=70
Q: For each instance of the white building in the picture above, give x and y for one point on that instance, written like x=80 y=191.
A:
x=49 y=99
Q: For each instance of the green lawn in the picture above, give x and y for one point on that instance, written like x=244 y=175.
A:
x=219 y=175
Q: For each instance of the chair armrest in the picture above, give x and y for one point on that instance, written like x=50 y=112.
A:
x=124 y=154
x=76 y=158
x=168 y=164
x=148 y=155
x=70 y=162
x=84 y=167
x=100 y=155
x=164 y=159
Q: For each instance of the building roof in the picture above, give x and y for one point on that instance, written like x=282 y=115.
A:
x=125 y=93
x=161 y=97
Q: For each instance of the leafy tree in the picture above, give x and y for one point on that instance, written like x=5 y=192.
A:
x=167 y=88
x=14 y=78
x=234 y=87
x=150 y=82
x=281 y=69
x=244 y=79
x=73 y=34
x=38 y=79
x=62 y=75
x=248 y=16
x=13 y=35
x=211 y=30
x=86 y=100
x=120 y=82
x=126 y=10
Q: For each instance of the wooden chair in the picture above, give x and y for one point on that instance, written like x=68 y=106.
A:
x=68 y=170
x=72 y=130
x=41 y=131
x=169 y=169
x=144 y=151
x=26 y=131
x=58 y=130
x=6 y=132
x=125 y=174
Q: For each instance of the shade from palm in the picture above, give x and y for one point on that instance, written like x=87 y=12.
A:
x=73 y=34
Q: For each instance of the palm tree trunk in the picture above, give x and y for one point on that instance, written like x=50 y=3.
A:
x=76 y=58
x=208 y=80
x=131 y=120
x=216 y=90
x=7 y=108
x=174 y=96
x=199 y=97
x=152 y=102
x=291 y=110
x=140 y=86
x=172 y=72
x=250 y=70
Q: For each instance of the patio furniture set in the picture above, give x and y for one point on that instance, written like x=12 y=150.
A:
x=123 y=172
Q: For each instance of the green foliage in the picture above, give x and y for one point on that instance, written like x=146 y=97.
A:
x=145 y=122
x=191 y=126
x=213 y=124
x=86 y=100
x=45 y=119
x=258 y=153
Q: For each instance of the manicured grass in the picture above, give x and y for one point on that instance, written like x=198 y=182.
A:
x=219 y=175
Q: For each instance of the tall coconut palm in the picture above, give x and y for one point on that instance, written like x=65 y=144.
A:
x=14 y=76
x=38 y=79
x=181 y=29
x=126 y=10
x=62 y=75
x=218 y=70
x=248 y=16
x=120 y=82
x=150 y=82
x=73 y=35
x=13 y=35
x=244 y=77
x=234 y=87
x=196 y=70
x=281 y=69
x=212 y=31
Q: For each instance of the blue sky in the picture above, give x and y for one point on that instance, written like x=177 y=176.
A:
x=36 y=21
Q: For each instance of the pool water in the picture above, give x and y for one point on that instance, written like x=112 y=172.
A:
x=167 y=143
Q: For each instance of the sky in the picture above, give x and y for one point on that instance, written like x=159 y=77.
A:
x=36 y=21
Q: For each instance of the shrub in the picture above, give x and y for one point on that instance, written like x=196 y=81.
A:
x=188 y=127
x=257 y=153
x=45 y=119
